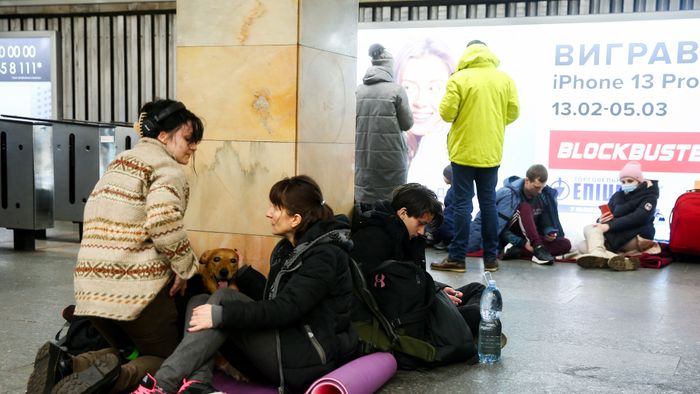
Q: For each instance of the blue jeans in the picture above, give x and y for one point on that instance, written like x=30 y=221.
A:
x=463 y=180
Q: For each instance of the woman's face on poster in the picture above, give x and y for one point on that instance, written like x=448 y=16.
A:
x=424 y=79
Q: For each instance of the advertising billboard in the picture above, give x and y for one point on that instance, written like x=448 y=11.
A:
x=595 y=92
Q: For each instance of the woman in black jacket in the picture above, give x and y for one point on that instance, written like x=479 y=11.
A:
x=287 y=330
x=626 y=227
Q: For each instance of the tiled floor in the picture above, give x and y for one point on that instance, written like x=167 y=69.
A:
x=569 y=330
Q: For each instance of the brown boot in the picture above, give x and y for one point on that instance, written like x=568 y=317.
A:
x=491 y=265
x=592 y=262
x=449 y=265
x=97 y=378
x=622 y=263
x=83 y=361
x=47 y=368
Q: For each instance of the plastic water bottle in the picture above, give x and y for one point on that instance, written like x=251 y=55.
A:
x=489 y=345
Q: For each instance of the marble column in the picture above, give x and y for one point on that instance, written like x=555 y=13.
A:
x=274 y=82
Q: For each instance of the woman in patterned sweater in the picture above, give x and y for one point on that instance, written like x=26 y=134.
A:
x=134 y=254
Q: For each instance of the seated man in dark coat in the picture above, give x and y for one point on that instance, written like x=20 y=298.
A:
x=393 y=230
x=528 y=220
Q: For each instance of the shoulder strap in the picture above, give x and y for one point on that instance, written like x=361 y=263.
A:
x=61 y=339
x=361 y=290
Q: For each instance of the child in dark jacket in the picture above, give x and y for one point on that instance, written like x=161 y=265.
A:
x=442 y=235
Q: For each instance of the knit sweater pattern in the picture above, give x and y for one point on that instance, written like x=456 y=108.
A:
x=134 y=237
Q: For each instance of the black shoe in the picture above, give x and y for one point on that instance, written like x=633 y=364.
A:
x=511 y=252
x=47 y=368
x=442 y=245
x=100 y=376
x=542 y=256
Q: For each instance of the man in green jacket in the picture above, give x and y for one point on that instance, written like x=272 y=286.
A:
x=479 y=101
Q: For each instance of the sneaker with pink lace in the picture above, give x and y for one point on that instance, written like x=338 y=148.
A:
x=197 y=387
x=149 y=385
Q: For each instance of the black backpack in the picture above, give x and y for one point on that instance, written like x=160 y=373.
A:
x=401 y=330
x=81 y=336
x=397 y=308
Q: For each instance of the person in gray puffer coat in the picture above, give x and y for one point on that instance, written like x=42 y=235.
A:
x=383 y=113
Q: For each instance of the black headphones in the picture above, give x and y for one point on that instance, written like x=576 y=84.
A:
x=151 y=124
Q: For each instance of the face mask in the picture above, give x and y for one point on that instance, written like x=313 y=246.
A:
x=628 y=187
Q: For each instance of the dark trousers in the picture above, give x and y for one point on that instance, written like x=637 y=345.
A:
x=194 y=356
x=154 y=333
x=523 y=223
x=463 y=180
x=470 y=306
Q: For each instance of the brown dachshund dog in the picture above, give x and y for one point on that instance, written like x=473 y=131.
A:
x=218 y=268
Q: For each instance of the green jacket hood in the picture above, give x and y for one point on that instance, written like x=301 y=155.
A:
x=477 y=55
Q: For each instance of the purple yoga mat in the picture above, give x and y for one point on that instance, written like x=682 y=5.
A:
x=364 y=375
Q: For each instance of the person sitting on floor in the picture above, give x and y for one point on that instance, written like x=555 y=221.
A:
x=393 y=230
x=528 y=219
x=288 y=330
x=134 y=257
x=628 y=225
x=441 y=236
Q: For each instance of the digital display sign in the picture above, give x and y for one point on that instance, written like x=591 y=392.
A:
x=25 y=59
x=29 y=74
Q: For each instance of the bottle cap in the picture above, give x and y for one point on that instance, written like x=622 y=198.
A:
x=487 y=277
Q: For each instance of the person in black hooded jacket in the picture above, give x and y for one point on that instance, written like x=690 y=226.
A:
x=287 y=330
x=626 y=227
x=393 y=230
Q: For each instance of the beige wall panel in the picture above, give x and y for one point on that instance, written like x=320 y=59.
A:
x=327 y=84
x=243 y=93
x=254 y=250
x=329 y=25
x=237 y=22
x=332 y=166
x=229 y=192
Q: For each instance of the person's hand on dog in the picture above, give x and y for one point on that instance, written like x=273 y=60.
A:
x=180 y=285
x=201 y=318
